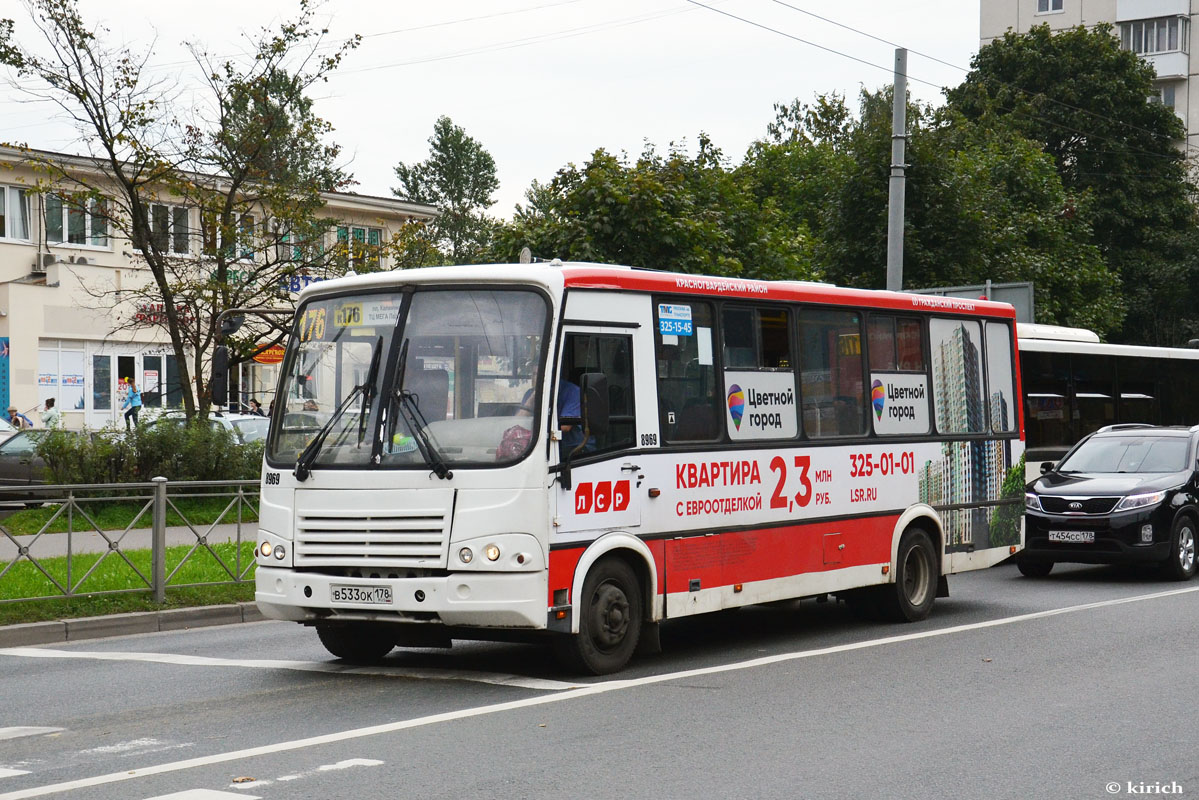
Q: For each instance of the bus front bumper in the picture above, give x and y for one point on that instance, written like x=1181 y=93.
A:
x=468 y=599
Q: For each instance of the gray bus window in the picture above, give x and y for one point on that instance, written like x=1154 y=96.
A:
x=687 y=399
x=1138 y=390
x=1094 y=393
x=831 y=373
x=957 y=375
x=1001 y=380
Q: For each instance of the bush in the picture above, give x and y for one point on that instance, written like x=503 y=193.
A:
x=181 y=452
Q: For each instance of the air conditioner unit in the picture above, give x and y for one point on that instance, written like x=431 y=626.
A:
x=79 y=260
x=46 y=260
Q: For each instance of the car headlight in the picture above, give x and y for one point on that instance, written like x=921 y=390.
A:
x=1140 y=501
x=1032 y=502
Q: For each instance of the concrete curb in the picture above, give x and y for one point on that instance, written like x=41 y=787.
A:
x=173 y=619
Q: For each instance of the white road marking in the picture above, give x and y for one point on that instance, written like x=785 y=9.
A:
x=583 y=691
x=499 y=679
x=17 y=733
x=347 y=764
x=135 y=747
x=203 y=794
x=9 y=773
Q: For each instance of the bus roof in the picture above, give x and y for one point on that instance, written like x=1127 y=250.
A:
x=1058 y=339
x=556 y=276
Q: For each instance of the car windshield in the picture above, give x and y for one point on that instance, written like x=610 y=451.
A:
x=1121 y=454
x=450 y=393
x=252 y=430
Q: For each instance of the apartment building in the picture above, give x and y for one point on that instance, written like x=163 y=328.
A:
x=60 y=338
x=1160 y=31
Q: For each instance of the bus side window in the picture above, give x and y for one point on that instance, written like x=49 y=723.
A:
x=1001 y=383
x=957 y=362
x=687 y=397
x=758 y=378
x=832 y=386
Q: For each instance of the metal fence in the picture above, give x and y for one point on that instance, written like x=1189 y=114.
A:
x=76 y=545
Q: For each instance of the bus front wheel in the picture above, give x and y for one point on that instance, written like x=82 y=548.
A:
x=910 y=598
x=610 y=613
x=357 y=644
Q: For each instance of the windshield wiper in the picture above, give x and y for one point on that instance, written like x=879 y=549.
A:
x=366 y=389
x=410 y=407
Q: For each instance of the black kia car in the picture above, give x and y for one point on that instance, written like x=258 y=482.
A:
x=1125 y=494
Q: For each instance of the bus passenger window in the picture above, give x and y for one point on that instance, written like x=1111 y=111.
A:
x=759 y=383
x=687 y=397
x=1001 y=392
x=895 y=344
x=957 y=375
x=830 y=362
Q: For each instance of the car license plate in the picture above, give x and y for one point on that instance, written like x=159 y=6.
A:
x=1073 y=537
x=375 y=595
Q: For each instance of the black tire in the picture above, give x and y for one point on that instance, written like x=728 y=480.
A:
x=610 y=616
x=1033 y=568
x=357 y=644
x=910 y=598
x=1180 y=566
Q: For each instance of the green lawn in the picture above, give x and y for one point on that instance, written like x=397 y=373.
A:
x=24 y=580
x=117 y=514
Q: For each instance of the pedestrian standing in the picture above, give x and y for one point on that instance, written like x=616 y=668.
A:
x=51 y=416
x=17 y=419
x=133 y=402
x=256 y=408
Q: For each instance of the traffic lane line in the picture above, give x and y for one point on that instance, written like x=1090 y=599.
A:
x=591 y=690
x=329 y=667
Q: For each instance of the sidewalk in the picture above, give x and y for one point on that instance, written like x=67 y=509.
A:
x=50 y=545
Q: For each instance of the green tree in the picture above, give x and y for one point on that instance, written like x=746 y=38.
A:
x=459 y=179
x=252 y=158
x=983 y=203
x=1083 y=99
x=672 y=211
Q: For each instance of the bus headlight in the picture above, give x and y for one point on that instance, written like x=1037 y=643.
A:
x=265 y=548
x=492 y=552
x=466 y=555
x=280 y=552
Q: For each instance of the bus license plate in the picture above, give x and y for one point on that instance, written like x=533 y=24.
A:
x=375 y=595
x=1073 y=537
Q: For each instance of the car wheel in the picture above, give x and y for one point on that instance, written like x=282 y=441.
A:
x=910 y=598
x=1033 y=568
x=357 y=644
x=610 y=611
x=1180 y=566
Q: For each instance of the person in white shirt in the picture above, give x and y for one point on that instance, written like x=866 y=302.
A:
x=51 y=416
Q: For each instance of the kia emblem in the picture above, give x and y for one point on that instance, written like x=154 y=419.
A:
x=1076 y=506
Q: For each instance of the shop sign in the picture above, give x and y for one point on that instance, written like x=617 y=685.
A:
x=270 y=355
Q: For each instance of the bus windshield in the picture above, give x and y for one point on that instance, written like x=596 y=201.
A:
x=459 y=389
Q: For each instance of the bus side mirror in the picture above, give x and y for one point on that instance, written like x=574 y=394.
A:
x=595 y=403
x=1046 y=466
x=218 y=385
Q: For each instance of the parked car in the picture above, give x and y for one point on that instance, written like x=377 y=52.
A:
x=244 y=427
x=20 y=465
x=1125 y=494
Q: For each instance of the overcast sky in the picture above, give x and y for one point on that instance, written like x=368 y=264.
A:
x=543 y=83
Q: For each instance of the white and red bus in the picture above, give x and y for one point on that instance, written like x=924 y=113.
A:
x=583 y=451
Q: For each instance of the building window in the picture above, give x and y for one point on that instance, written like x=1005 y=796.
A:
x=1048 y=6
x=70 y=222
x=14 y=213
x=60 y=374
x=240 y=250
x=362 y=245
x=1149 y=36
x=169 y=229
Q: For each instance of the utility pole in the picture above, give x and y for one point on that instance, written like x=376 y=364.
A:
x=899 y=117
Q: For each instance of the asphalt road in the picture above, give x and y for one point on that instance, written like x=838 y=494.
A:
x=1064 y=687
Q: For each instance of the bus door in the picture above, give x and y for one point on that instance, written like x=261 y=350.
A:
x=605 y=478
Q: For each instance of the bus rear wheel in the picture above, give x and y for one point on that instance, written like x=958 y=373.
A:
x=610 y=613
x=910 y=598
x=357 y=644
